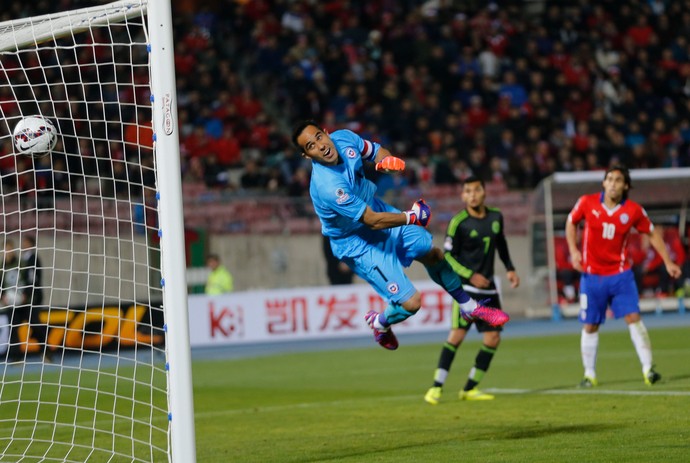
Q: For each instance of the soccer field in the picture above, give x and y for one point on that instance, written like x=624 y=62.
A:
x=366 y=405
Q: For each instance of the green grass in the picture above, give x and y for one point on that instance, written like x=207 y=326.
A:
x=366 y=405
x=56 y=415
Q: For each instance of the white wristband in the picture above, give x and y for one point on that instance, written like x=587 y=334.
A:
x=408 y=214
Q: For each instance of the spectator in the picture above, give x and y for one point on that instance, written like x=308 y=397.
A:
x=568 y=278
x=606 y=56
x=514 y=90
x=31 y=287
x=215 y=175
x=338 y=272
x=196 y=144
x=220 y=280
x=252 y=177
x=654 y=264
x=641 y=33
x=477 y=116
x=227 y=149
x=9 y=295
x=299 y=183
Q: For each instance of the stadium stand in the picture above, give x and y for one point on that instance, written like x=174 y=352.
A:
x=511 y=91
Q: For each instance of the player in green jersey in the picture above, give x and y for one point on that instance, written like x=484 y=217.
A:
x=473 y=237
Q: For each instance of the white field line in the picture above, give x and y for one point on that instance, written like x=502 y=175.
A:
x=594 y=391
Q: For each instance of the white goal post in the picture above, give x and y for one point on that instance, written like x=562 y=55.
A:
x=664 y=193
x=95 y=363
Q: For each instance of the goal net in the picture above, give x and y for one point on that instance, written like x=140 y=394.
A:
x=94 y=350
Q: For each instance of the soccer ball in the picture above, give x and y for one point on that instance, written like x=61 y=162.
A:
x=35 y=136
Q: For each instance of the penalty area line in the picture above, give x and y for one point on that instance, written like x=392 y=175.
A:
x=595 y=391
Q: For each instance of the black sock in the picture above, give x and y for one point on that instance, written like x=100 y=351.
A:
x=481 y=366
x=444 y=363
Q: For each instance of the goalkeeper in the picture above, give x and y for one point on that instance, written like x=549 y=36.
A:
x=373 y=238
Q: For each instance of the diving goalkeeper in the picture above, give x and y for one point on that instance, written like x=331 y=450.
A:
x=373 y=238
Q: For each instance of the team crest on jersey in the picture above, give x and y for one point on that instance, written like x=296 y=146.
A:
x=495 y=226
x=624 y=218
x=341 y=196
x=393 y=288
x=350 y=153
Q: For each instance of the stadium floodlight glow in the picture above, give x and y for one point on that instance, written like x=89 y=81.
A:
x=103 y=203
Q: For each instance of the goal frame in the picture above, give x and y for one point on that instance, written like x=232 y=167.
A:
x=170 y=212
x=19 y=33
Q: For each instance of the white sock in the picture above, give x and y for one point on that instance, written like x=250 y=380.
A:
x=589 y=343
x=643 y=346
x=378 y=325
x=441 y=375
x=469 y=306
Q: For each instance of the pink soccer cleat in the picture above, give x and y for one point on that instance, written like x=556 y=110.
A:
x=489 y=315
x=386 y=339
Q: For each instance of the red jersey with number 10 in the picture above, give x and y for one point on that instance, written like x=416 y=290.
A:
x=605 y=239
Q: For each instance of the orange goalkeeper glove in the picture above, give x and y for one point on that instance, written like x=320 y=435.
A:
x=390 y=164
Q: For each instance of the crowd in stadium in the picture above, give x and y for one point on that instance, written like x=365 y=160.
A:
x=454 y=87
x=509 y=91
x=495 y=89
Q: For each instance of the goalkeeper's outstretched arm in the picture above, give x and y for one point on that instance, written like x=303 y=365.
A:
x=419 y=214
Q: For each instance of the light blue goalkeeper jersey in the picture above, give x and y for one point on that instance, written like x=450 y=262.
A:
x=341 y=193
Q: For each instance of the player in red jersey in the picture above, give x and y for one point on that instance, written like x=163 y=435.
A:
x=606 y=275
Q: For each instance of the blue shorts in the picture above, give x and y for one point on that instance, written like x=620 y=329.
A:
x=598 y=292
x=383 y=262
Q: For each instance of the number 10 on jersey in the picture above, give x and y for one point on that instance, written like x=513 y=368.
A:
x=608 y=231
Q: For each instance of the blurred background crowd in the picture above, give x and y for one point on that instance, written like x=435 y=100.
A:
x=511 y=91
x=508 y=91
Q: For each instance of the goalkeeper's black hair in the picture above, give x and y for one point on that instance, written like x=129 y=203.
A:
x=299 y=128
x=626 y=176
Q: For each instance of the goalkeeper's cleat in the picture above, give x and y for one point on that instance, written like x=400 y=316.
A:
x=475 y=394
x=386 y=338
x=588 y=382
x=370 y=318
x=433 y=395
x=489 y=315
x=651 y=377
